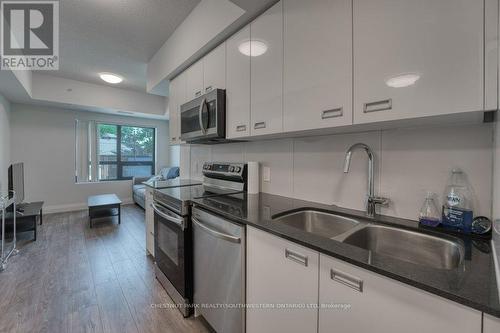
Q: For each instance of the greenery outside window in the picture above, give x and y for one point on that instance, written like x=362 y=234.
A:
x=124 y=151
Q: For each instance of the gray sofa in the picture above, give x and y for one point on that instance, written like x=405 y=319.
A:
x=139 y=189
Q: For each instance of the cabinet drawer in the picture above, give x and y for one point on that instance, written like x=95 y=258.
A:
x=379 y=304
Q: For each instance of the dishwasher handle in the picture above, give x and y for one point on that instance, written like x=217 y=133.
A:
x=215 y=233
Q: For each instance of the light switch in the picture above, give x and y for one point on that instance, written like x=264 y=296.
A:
x=266 y=174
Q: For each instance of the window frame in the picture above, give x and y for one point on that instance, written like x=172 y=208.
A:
x=119 y=163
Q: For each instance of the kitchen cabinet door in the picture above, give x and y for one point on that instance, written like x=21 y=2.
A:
x=317 y=64
x=378 y=304
x=177 y=96
x=417 y=58
x=280 y=273
x=194 y=81
x=237 y=86
x=150 y=220
x=491 y=324
x=266 y=64
x=214 y=69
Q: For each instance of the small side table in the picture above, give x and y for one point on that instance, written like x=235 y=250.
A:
x=27 y=215
x=105 y=205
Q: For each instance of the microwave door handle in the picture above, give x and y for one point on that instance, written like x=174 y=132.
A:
x=200 y=114
x=178 y=222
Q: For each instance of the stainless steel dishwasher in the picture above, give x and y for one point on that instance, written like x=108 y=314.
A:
x=219 y=271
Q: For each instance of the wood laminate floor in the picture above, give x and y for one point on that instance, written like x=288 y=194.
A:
x=77 y=279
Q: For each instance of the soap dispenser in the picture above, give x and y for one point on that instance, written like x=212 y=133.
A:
x=457 y=207
x=429 y=213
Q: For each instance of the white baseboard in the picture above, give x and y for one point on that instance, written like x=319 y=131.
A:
x=75 y=207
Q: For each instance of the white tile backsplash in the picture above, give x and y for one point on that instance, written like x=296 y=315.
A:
x=318 y=169
x=229 y=152
x=409 y=162
x=278 y=156
x=199 y=155
x=415 y=161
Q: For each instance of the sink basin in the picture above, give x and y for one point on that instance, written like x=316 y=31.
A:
x=319 y=223
x=410 y=246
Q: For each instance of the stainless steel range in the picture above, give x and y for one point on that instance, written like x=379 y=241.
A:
x=173 y=229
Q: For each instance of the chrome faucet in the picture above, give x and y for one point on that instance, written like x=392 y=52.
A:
x=372 y=201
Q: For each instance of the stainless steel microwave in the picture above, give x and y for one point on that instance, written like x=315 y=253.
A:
x=203 y=120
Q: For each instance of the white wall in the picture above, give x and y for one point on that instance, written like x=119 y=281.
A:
x=4 y=143
x=207 y=20
x=44 y=139
x=409 y=163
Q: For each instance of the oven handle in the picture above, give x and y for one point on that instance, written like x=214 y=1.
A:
x=200 y=113
x=216 y=233
x=178 y=222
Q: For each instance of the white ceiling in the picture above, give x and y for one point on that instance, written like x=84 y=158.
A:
x=118 y=36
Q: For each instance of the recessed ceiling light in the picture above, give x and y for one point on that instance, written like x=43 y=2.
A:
x=403 y=80
x=111 y=78
x=253 y=48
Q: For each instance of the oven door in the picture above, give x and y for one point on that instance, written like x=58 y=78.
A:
x=204 y=117
x=173 y=250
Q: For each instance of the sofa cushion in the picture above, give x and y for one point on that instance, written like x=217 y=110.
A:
x=139 y=190
x=169 y=173
x=154 y=179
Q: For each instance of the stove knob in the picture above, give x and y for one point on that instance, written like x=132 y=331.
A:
x=237 y=169
x=209 y=167
x=231 y=168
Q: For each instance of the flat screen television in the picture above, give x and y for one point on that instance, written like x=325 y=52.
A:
x=16 y=181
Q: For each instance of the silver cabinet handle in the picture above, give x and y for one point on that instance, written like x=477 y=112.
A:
x=198 y=93
x=382 y=105
x=207 y=89
x=215 y=233
x=259 y=125
x=241 y=128
x=333 y=113
x=166 y=216
x=200 y=115
x=347 y=280
x=298 y=258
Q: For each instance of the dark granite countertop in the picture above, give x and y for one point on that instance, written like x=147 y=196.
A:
x=473 y=284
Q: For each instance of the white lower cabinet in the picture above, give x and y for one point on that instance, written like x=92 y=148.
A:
x=381 y=305
x=491 y=324
x=280 y=272
x=150 y=223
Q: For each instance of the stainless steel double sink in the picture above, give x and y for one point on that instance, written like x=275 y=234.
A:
x=410 y=246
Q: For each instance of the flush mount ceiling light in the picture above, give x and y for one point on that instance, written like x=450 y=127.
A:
x=403 y=80
x=111 y=78
x=253 y=48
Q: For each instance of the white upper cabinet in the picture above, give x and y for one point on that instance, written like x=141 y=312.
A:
x=417 y=58
x=380 y=305
x=280 y=272
x=266 y=63
x=194 y=81
x=237 y=85
x=177 y=96
x=317 y=64
x=214 y=69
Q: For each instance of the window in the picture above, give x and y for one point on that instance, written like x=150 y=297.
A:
x=125 y=151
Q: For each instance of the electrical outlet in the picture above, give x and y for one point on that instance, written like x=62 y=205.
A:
x=266 y=174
